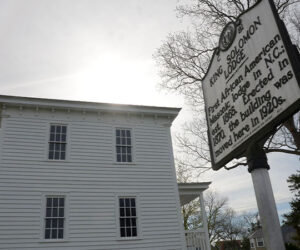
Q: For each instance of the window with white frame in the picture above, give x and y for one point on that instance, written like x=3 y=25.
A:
x=260 y=242
x=54 y=220
x=252 y=243
x=123 y=145
x=128 y=217
x=57 y=142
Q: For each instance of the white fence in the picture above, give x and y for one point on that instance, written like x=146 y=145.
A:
x=195 y=240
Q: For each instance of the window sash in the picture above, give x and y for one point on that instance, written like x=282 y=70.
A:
x=123 y=145
x=128 y=219
x=54 y=219
x=57 y=142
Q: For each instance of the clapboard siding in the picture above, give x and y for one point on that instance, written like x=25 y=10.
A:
x=90 y=178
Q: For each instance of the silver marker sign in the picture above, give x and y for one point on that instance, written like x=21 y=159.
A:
x=251 y=85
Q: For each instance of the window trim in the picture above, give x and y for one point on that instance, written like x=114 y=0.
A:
x=133 y=153
x=43 y=215
x=68 y=144
x=253 y=243
x=261 y=239
x=138 y=215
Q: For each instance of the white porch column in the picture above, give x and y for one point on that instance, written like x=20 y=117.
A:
x=204 y=219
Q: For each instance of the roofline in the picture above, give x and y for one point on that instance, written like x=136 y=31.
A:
x=193 y=186
x=82 y=105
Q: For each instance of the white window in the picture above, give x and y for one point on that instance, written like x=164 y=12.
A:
x=57 y=142
x=123 y=145
x=128 y=220
x=260 y=242
x=252 y=243
x=54 y=219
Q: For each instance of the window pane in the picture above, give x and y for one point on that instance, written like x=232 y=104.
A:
x=63 y=137
x=133 y=222
x=122 y=231
x=48 y=212
x=128 y=141
x=64 y=129
x=61 y=212
x=127 y=202
x=128 y=224
x=118 y=158
x=123 y=150
x=54 y=223
x=118 y=132
x=56 y=157
x=128 y=133
x=61 y=202
x=132 y=202
x=47 y=234
x=55 y=202
x=121 y=202
x=129 y=158
x=60 y=223
x=52 y=137
x=133 y=213
x=123 y=141
x=60 y=234
x=123 y=158
x=118 y=150
x=122 y=222
x=118 y=140
x=49 y=202
x=48 y=223
x=54 y=234
x=123 y=133
x=52 y=129
x=51 y=155
x=51 y=146
x=128 y=232
x=57 y=137
x=127 y=211
x=57 y=146
x=134 y=231
x=122 y=212
x=58 y=129
x=62 y=155
x=54 y=212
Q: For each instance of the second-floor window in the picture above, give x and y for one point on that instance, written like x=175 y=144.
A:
x=123 y=145
x=57 y=142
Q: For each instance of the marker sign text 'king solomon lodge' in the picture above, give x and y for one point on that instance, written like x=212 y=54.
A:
x=251 y=85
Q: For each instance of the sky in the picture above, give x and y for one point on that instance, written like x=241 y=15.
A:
x=93 y=50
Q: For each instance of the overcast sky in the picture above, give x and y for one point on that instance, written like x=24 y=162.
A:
x=102 y=51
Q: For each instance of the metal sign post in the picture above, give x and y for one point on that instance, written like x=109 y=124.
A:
x=258 y=167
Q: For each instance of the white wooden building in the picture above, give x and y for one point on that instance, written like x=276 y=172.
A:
x=82 y=176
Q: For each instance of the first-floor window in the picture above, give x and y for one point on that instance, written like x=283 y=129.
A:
x=128 y=217
x=252 y=245
x=54 y=217
x=260 y=242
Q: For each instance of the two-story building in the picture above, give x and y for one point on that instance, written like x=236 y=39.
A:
x=83 y=175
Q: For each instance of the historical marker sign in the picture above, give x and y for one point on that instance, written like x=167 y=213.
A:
x=252 y=83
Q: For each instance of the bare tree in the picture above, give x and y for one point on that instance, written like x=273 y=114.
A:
x=184 y=58
x=223 y=222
